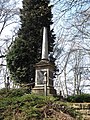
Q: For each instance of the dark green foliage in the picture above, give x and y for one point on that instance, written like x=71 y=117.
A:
x=79 y=98
x=26 y=106
x=13 y=92
x=26 y=50
x=21 y=106
x=19 y=61
x=2 y=91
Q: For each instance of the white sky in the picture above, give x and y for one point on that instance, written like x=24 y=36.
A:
x=7 y=33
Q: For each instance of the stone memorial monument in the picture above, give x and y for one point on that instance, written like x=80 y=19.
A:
x=44 y=71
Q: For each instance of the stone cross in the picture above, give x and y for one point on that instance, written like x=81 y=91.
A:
x=45 y=45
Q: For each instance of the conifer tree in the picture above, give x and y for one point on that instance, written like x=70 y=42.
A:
x=26 y=50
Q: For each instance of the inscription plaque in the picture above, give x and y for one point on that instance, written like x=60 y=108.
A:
x=40 y=77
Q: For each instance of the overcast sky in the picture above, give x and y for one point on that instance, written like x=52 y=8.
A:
x=6 y=34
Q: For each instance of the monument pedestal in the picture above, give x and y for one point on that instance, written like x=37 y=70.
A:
x=44 y=71
x=44 y=78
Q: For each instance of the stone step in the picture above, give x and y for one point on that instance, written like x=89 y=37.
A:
x=83 y=108
x=86 y=117
x=84 y=111
x=81 y=105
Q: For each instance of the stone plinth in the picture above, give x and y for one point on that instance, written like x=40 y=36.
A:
x=44 y=78
x=40 y=90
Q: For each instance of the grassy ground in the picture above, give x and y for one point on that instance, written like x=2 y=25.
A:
x=20 y=105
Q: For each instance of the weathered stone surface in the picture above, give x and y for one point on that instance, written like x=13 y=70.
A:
x=44 y=71
x=40 y=90
x=45 y=44
x=84 y=109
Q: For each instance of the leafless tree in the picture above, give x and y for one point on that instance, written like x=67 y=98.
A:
x=9 y=19
x=72 y=27
x=8 y=13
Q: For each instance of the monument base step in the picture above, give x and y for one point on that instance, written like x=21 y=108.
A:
x=40 y=90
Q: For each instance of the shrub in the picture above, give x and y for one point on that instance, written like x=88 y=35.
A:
x=79 y=98
x=13 y=92
x=2 y=91
x=17 y=92
x=26 y=106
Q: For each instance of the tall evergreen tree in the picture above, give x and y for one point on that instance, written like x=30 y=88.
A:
x=26 y=50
